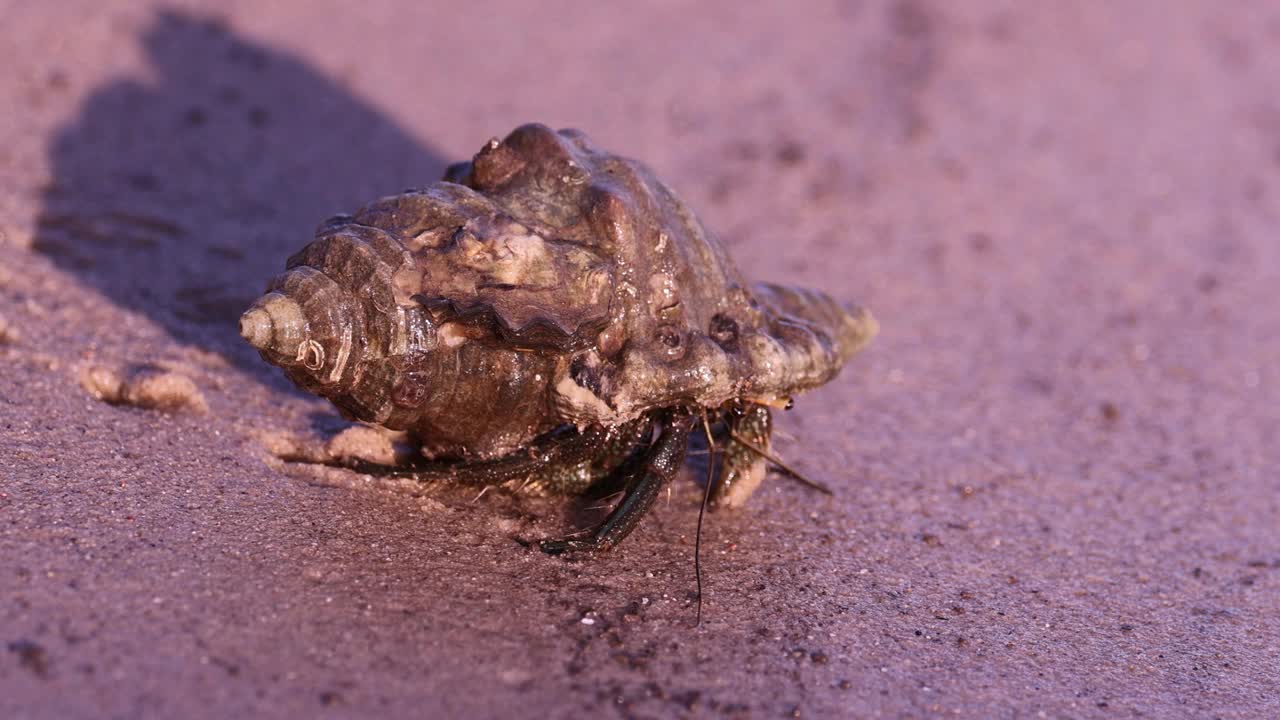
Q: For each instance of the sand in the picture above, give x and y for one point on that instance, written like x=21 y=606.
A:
x=1057 y=473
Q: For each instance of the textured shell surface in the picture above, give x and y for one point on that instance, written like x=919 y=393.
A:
x=544 y=283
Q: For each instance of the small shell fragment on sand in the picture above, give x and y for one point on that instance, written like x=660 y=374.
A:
x=144 y=386
x=373 y=445
x=355 y=443
x=8 y=335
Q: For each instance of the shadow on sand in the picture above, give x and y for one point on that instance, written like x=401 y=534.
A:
x=179 y=194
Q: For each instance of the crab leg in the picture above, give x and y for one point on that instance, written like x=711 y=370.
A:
x=660 y=464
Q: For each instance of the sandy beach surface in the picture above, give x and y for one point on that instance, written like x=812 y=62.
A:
x=1057 y=470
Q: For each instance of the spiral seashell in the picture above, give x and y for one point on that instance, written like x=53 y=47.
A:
x=545 y=282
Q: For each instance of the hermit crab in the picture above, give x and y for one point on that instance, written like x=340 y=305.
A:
x=548 y=317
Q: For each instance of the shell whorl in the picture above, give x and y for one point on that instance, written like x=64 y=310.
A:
x=346 y=321
x=333 y=311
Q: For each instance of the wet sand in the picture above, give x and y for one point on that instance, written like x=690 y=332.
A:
x=1056 y=468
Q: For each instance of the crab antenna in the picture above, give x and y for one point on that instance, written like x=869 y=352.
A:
x=786 y=469
x=706 y=495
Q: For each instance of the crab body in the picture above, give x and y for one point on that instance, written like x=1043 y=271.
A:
x=550 y=295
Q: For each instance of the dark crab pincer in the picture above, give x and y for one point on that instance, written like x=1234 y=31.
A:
x=534 y=319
